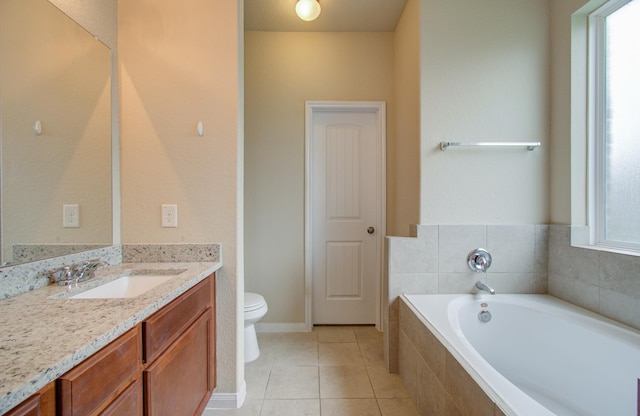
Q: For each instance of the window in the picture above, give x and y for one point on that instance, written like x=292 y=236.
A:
x=614 y=112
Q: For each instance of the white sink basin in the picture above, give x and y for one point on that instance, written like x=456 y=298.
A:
x=125 y=287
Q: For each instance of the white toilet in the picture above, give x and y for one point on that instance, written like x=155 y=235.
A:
x=255 y=308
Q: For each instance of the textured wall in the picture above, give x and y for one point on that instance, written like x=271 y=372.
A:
x=282 y=71
x=403 y=153
x=181 y=63
x=484 y=77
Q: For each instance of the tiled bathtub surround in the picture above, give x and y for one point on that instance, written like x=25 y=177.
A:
x=603 y=282
x=435 y=261
x=435 y=381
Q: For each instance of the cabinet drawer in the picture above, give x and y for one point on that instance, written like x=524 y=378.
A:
x=165 y=326
x=87 y=388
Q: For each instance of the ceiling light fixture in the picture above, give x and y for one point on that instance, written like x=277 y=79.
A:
x=308 y=10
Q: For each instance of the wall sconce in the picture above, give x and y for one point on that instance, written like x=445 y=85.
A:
x=308 y=10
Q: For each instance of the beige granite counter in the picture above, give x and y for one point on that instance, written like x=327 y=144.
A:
x=44 y=333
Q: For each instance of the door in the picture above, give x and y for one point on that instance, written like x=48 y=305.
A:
x=346 y=198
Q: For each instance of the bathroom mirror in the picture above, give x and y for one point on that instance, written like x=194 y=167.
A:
x=55 y=134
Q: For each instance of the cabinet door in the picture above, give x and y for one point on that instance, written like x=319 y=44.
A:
x=88 y=388
x=180 y=381
x=129 y=402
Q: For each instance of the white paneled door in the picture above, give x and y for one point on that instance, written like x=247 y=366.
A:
x=346 y=191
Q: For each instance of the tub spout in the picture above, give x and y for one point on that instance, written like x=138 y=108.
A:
x=483 y=286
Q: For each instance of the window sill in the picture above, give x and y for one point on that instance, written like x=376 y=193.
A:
x=580 y=238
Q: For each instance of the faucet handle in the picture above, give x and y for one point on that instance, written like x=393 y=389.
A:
x=88 y=268
x=62 y=276
x=479 y=260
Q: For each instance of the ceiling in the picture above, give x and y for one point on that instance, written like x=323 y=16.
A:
x=336 y=16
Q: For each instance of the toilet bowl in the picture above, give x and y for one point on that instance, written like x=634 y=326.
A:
x=255 y=307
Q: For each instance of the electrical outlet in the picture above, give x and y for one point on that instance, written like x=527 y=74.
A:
x=71 y=216
x=169 y=215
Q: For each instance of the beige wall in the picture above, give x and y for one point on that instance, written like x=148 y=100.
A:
x=180 y=63
x=561 y=204
x=485 y=77
x=282 y=70
x=403 y=153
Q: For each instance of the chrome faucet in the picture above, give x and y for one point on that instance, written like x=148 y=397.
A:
x=483 y=286
x=69 y=275
x=88 y=269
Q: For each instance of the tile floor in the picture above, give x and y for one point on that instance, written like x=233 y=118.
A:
x=332 y=371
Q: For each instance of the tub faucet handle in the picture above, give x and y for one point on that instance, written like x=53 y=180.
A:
x=479 y=260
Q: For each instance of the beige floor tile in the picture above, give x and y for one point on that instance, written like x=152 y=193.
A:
x=368 y=334
x=349 y=407
x=293 y=383
x=284 y=337
x=268 y=350
x=332 y=371
x=335 y=333
x=340 y=354
x=387 y=385
x=345 y=383
x=291 y=408
x=269 y=338
x=397 y=407
x=257 y=379
x=372 y=354
x=303 y=354
x=249 y=408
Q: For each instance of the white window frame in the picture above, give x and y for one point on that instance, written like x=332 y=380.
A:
x=589 y=127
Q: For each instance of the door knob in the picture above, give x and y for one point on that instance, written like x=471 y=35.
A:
x=371 y=230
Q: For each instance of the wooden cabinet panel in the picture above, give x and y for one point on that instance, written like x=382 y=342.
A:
x=129 y=402
x=29 y=407
x=213 y=343
x=180 y=381
x=161 y=329
x=43 y=403
x=89 y=387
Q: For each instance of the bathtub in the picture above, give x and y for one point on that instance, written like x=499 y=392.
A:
x=537 y=355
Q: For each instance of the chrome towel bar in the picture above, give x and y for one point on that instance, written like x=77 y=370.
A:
x=528 y=145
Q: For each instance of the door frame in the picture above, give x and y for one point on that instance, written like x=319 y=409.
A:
x=312 y=108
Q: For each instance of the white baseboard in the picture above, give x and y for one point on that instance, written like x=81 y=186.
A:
x=286 y=327
x=228 y=400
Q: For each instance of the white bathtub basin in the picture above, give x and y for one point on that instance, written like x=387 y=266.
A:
x=125 y=287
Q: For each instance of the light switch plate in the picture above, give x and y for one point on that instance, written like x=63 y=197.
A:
x=71 y=216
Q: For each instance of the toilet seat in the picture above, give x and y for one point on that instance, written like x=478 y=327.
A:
x=253 y=301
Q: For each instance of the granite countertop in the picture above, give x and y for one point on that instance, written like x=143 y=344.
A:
x=45 y=334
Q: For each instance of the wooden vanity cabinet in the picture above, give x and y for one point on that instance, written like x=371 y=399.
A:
x=179 y=348
x=163 y=366
x=43 y=403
